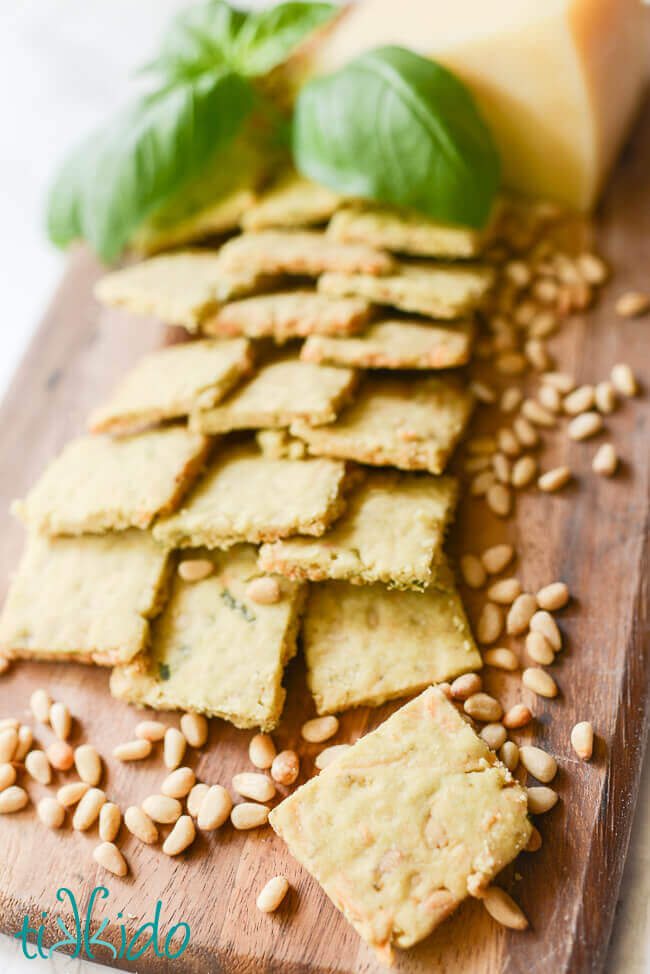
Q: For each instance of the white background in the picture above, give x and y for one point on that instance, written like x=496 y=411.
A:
x=63 y=67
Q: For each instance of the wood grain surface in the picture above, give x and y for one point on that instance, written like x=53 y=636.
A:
x=593 y=535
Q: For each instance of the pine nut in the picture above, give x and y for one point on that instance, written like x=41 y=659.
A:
x=582 y=740
x=9 y=722
x=541 y=799
x=536 y=353
x=465 y=686
x=261 y=751
x=7 y=776
x=509 y=754
x=580 y=400
x=501 y=658
x=150 y=730
x=490 y=623
x=180 y=837
x=25 y=741
x=482 y=392
x=195 y=569
x=524 y=472
x=70 y=794
x=511 y=363
x=537 y=414
x=538 y=763
x=109 y=857
x=195 y=729
x=110 y=820
x=285 y=768
x=472 y=571
x=518 y=272
x=518 y=716
x=179 y=783
x=264 y=591
x=543 y=324
x=330 y=754
x=162 y=809
x=482 y=483
x=249 y=815
x=623 y=379
x=481 y=444
x=511 y=399
x=140 y=825
x=255 y=786
x=173 y=748
x=88 y=809
x=545 y=623
x=632 y=303
x=503 y=909
x=272 y=894
x=195 y=797
x=12 y=799
x=554 y=479
x=520 y=613
x=508 y=442
x=60 y=720
x=561 y=381
x=446 y=689
x=40 y=703
x=8 y=744
x=539 y=681
x=319 y=729
x=214 y=809
x=38 y=767
x=605 y=397
x=4 y=664
x=539 y=649
x=605 y=461
x=496 y=558
x=88 y=764
x=545 y=290
x=534 y=842
x=132 y=750
x=51 y=813
x=502 y=468
x=525 y=312
x=494 y=735
x=593 y=268
x=499 y=499
x=585 y=425
x=475 y=464
x=483 y=707
x=505 y=591
x=550 y=398
x=552 y=597
x=525 y=431
x=60 y=755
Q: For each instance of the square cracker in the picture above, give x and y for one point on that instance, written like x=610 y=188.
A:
x=292 y=202
x=413 y=424
x=214 y=650
x=278 y=394
x=246 y=496
x=396 y=344
x=86 y=599
x=351 y=632
x=406 y=823
x=173 y=381
x=288 y=314
x=103 y=483
x=392 y=532
x=180 y=288
x=302 y=252
x=423 y=287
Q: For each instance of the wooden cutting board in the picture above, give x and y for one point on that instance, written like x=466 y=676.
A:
x=591 y=534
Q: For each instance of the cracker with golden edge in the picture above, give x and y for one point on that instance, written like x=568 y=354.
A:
x=293 y=202
x=279 y=393
x=104 y=483
x=246 y=496
x=422 y=287
x=350 y=634
x=172 y=382
x=403 y=826
x=392 y=532
x=412 y=424
x=288 y=314
x=215 y=651
x=396 y=344
x=87 y=599
x=300 y=252
x=180 y=288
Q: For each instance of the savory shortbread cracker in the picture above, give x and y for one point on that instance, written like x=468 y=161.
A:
x=86 y=599
x=288 y=314
x=392 y=532
x=305 y=252
x=278 y=394
x=246 y=496
x=104 y=483
x=365 y=645
x=179 y=288
x=412 y=424
x=396 y=344
x=423 y=287
x=214 y=651
x=172 y=382
x=292 y=202
x=406 y=823
x=217 y=218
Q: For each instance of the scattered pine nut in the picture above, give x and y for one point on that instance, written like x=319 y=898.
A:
x=501 y=658
x=605 y=397
x=482 y=392
x=60 y=755
x=511 y=399
x=264 y=590
x=518 y=716
x=173 y=748
x=25 y=741
x=51 y=813
x=9 y=722
x=40 y=703
x=261 y=751
x=466 y=685
x=502 y=467
x=60 y=720
x=543 y=622
x=255 y=786
x=554 y=479
x=593 y=268
x=446 y=689
x=109 y=857
x=110 y=820
x=511 y=363
x=475 y=464
x=509 y=754
x=499 y=499
x=330 y=754
x=272 y=894
x=88 y=809
x=541 y=799
x=623 y=379
x=632 y=304
x=494 y=735
x=535 y=841
x=214 y=809
x=490 y=623
x=503 y=909
x=472 y=571
x=38 y=767
x=140 y=825
x=88 y=764
x=605 y=461
x=582 y=740
x=162 y=809
x=481 y=444
x=539 y=649
x=539 y=681
x=550 y=398
x=552 y=597
x=537 y=414
x=70 y=794
x=285 y=768
x=481 y=483
x=319 y=729
x=151 y=730
x=545 y=290
x=133 y=750
x=249 y=815
x=585 y=425
x=505 y=591
x=520 y=613
x=497 y=557
x=195 y=569
x=180 y=837
x=4 y=664
x=543 y=324
x=8 y=743
x=524 y=472
x=518 y=272
x=508 y=442
x=538 y=763
x=483 y=707
x=195 y=729
x=580 y=400
x=179 y=783
x=7 y=776
x=13 y=799
x=561 y=381
x=525 y=431
x=195 y=798
x=536 y=353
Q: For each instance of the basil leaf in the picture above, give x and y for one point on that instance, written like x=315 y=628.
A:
x=399 y=128
x=268 y=37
